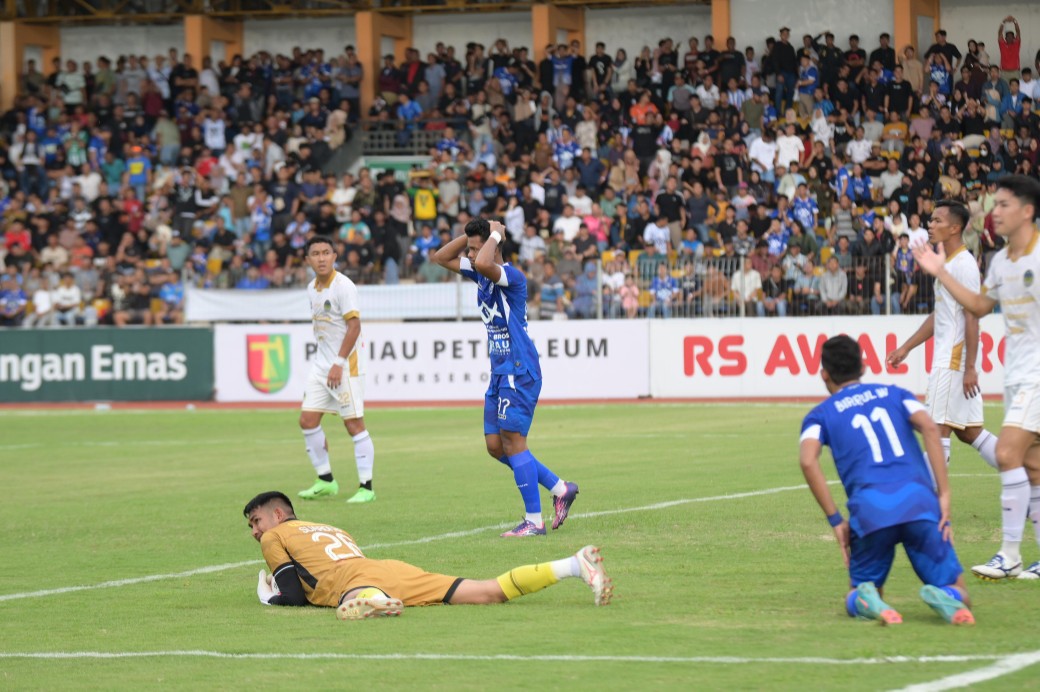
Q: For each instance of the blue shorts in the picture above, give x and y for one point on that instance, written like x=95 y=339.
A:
x=509 y=403
x=933 y=559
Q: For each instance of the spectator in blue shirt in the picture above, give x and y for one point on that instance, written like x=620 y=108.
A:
x=566 y=150
x=253 y=280
x=408 y=112
x=664 y=289
x=808 y=80
x=12 y=303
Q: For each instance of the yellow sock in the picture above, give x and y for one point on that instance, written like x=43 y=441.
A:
x=527 y=579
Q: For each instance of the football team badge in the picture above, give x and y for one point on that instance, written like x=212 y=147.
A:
x=267 y=361
x=1027 y=278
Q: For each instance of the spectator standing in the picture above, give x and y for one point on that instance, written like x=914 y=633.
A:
x=1010 y=44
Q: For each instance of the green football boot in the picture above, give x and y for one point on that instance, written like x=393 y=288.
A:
x=362 y=495
x=320 y=489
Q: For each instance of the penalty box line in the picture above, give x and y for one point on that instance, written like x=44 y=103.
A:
x=116 y=583
x=998 y=659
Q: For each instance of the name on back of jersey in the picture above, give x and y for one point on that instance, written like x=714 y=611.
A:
x=860 y=398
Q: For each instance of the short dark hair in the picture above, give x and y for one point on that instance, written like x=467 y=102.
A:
x=478 y=228
x=318 y=240
x=1026 y=189
x=842 y=359
x=264 y=499
x=958 y=212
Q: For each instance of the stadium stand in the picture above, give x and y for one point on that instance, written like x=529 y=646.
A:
x=680 y=180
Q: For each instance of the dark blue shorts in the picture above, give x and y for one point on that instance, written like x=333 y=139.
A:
x=933 y=559
x=509 y=403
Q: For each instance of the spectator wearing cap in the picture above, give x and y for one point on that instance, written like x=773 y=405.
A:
x=808 y=81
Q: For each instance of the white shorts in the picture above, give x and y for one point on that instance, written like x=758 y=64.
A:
x=946 y=402
x=1022 y=407
x=347 y=400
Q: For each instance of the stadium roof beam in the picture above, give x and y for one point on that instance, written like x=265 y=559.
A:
x=84 y=11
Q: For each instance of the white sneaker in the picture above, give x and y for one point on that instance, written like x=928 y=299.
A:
x=999 y=567
x=380 y=606
x=1030 y=573
x=593 y=574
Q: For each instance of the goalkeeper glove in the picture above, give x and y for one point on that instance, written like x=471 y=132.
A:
x=265 y=591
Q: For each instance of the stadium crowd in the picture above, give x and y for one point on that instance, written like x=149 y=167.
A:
x=684 y=179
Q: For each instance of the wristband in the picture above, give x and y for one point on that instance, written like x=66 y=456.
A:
x=835 y=519
x=497 y=236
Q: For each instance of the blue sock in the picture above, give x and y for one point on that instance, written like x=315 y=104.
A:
x=505 y=460
x=952 y=593
x=850 y=604
x=546 y=478
x=525 y=472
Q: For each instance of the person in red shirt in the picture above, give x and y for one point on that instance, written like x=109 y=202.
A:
x=17 y=234
x=1010 y=44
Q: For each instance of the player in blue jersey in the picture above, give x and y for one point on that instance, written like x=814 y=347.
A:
x=516 y=377
x=891 y=497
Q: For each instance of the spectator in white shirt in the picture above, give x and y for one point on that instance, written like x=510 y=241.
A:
x=858 y=149
x=568 y=224
x=531 y=244
x=708 y=93
x=43 y=309
x=658 y=234
x=581 y=202
x=67 y=299
x=763 y=156
x=789 y=147
x=1029 y=86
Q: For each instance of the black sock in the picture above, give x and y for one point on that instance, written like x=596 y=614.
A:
x=367 y=485
x=327 y=477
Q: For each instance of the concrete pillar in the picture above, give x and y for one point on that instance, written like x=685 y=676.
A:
x=720 y=27
x=15 y=37
x=371 y=29
x=200 y=31
x=547 y=21
x=906 y=14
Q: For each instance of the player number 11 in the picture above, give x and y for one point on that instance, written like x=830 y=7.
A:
x=878 y=415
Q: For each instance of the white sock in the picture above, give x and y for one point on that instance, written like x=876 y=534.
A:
x=364 y=455
x=567 y=567
x=1014 y=501
x=1034 y=511
x=560 y=489
x=535 y=519
x=946 y=449
x=317 y=450
x=986 y=444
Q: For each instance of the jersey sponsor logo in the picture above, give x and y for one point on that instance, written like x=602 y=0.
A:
x=488 y=312
x=1027 y=278
x=267 y=361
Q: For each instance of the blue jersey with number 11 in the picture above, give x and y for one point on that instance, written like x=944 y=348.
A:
x=877 y=455
x=503 y=309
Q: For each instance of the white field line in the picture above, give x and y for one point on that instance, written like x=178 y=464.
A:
x=1003 y=666
x=375 y=546
x=569 y=658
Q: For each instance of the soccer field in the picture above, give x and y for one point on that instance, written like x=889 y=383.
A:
x=127 y=562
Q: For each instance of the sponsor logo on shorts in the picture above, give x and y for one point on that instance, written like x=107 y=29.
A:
x=267 y=361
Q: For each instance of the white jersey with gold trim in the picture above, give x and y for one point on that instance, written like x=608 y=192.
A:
x=331 y=307
x=949 y=347
x=1016 y=286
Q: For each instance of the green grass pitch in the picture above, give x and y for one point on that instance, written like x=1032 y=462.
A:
x=726 y=573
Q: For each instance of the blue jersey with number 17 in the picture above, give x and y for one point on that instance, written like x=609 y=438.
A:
x=503 y=309
x=877 y=455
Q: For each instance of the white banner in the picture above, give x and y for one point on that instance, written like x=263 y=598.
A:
x=381 y=302
x=756 y=358
x=436 y=361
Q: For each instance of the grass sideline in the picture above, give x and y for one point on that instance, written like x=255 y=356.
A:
x=722 y=579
